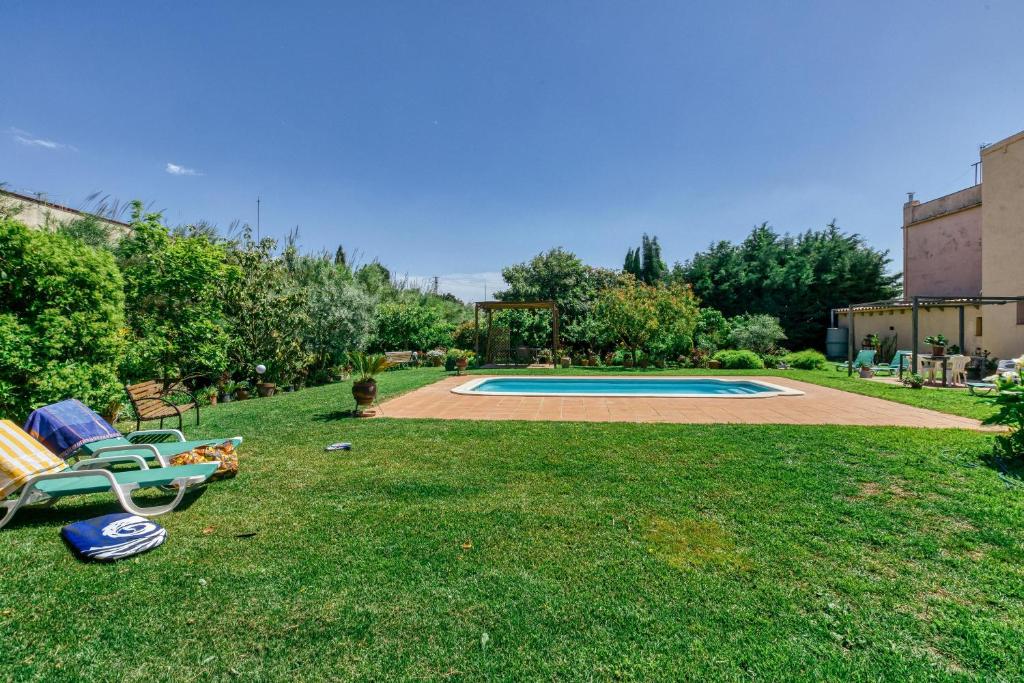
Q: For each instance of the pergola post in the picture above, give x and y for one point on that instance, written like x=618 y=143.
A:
x=554 y=333
x=960 y=315
x=914 y=335
x=476 y=327
x=851 y=336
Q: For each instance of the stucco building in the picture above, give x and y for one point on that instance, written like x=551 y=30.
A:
x=967 y=244
x=36 y=212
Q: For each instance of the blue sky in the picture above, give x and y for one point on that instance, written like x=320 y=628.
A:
x=453 y=138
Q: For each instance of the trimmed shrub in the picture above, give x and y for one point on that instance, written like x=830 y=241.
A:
x=739 y=360
x=807 y=360
x=61 y=306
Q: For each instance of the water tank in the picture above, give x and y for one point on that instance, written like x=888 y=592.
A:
x=835 y=342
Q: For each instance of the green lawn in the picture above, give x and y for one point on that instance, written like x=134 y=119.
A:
x=510 y=550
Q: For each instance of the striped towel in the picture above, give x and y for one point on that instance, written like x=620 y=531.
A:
x=21 y=458
x=113 y=537
x=67 y=426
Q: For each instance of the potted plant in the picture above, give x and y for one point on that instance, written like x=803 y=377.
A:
x=435 y=357
x=227 y=391
x=627 y=359
x=242 y=390
x=364 y=370
x=866 y=372
x=938 y=343
x=266 y=389
x=459 y=359
x=871 y=341
x=210 y=394
x=913 y=380
x=566 y=361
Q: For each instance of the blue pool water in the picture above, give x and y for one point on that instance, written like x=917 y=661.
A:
x=623 y=386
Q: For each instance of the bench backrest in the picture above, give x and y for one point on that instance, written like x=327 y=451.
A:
x=398 y=356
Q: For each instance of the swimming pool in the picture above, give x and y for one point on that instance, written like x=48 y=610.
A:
x=668 y=387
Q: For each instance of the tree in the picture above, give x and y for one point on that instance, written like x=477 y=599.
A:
x=560 y=276
x=173 y=288
x=645 y=262
x=339 y=256
x=797 y=279
x=267 y=313
x=61 y=314
x=759 y=333
x=659 y=320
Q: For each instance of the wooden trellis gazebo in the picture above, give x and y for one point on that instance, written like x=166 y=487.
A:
x=490 y=306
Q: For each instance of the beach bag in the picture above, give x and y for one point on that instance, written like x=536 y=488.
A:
x=223 y=453
x=113 y=537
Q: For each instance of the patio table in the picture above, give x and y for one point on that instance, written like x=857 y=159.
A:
x=943 y=360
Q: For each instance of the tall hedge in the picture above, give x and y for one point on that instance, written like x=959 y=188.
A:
x=61 y=316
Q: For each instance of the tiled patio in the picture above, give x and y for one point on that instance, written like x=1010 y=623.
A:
x=818 y=405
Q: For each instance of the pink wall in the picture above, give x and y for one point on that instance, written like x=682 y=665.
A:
x=942 y=245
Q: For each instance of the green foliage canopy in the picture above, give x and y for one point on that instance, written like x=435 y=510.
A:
x=797 y=279
x=61 y=314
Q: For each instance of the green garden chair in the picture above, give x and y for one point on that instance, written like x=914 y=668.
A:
x=865 y=358
x=899 y=363
x=32 y=475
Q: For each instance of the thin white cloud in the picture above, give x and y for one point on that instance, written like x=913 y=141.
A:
x=175 y=169
x=29 y=140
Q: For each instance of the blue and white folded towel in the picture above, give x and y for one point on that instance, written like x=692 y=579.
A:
x=113 y=537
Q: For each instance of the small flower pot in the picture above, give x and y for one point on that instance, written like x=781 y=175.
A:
x=938 y=350
x=213 y=400
x=266 y=389
x=365 y=393
x=627 y=361
x=866 y=373
x=242 y=394
x=226 y=398
x=714 y=364
x=566 y=361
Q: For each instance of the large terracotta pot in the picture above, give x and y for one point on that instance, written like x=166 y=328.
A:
x=266 y=389
x=461 y=364
x=364 y=392
x=242 y=394
x=566 y=361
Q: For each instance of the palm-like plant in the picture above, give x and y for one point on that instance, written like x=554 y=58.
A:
x=366 y=366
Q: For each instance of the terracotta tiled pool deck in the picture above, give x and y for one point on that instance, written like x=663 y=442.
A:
x=818 y=406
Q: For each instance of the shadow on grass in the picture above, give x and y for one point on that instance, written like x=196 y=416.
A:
x=336 y=415
x=48 y=516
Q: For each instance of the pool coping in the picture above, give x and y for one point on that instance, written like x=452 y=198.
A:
x=470 y=388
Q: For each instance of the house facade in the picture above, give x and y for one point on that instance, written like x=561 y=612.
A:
x=966 y=244
x=36 y=212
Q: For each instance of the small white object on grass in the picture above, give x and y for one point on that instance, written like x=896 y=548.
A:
x=343 y=446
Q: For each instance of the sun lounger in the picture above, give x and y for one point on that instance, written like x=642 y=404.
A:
x=865 y=358
x=35 y=476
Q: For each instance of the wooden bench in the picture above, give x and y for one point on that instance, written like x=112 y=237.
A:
x=152 y=401
x=398 y=358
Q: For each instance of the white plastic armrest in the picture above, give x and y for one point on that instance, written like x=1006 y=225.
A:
x=89 y=463
x=127 y=447
x=176 y=433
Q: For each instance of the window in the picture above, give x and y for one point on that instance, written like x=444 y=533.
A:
x=977 y=323
x=1020 y=312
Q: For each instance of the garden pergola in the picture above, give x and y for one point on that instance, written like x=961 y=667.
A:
x=915 y=303
x=490 y=306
